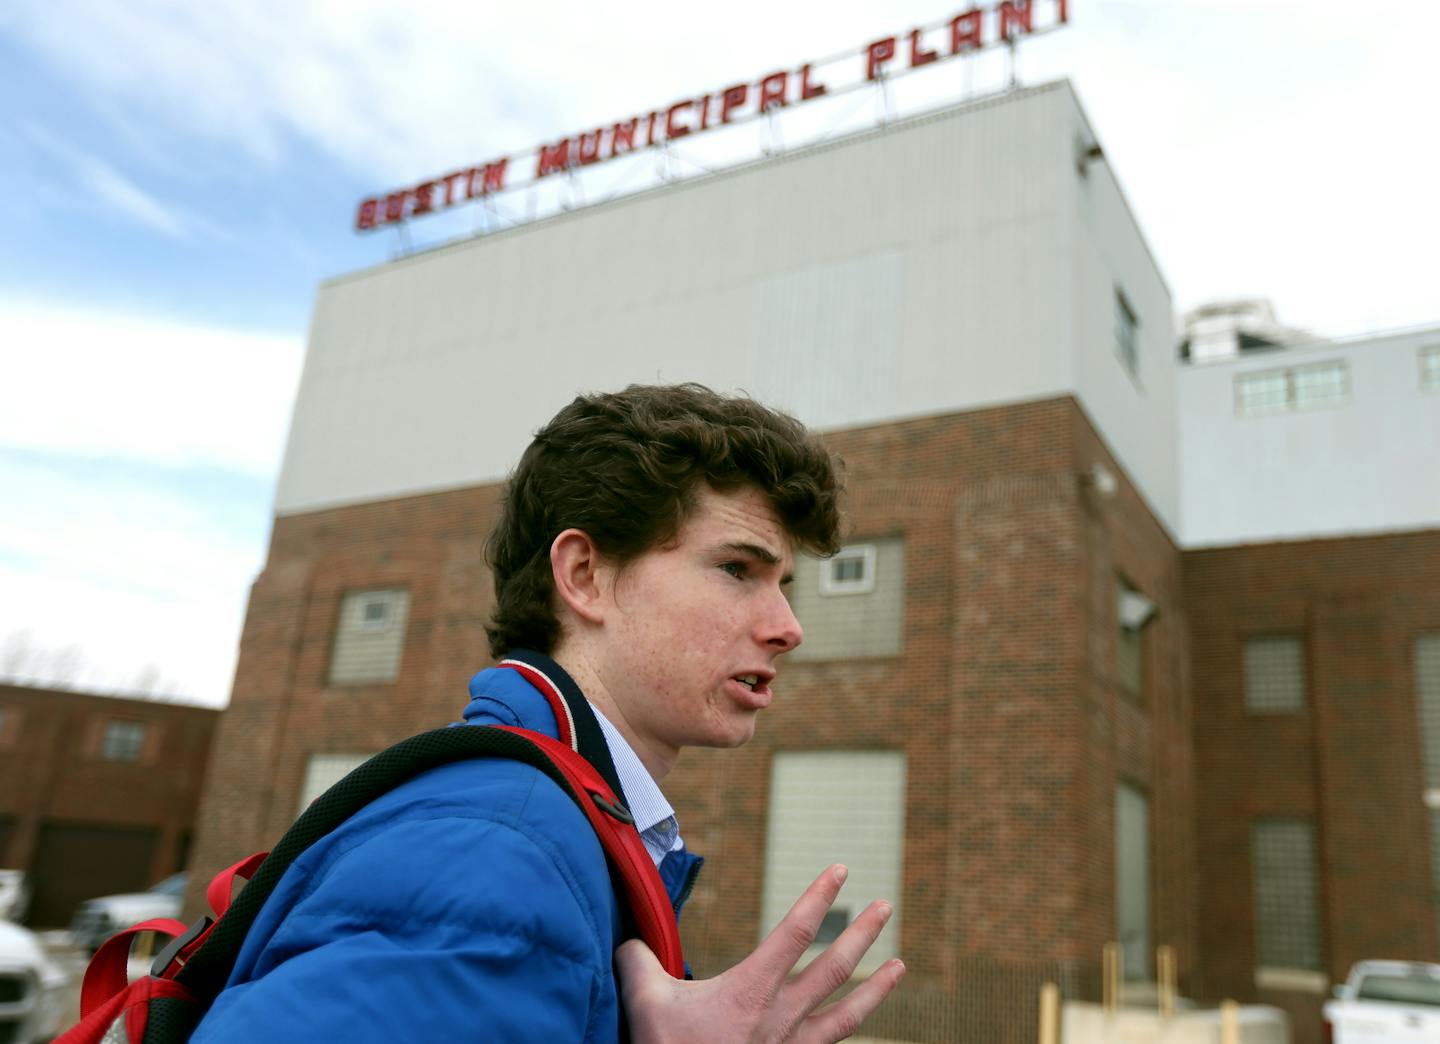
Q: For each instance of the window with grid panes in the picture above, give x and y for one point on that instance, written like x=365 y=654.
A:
x=123 y=741
x=1287 y=894
x=1274 y=674
x=1293 y=388
x=1324 y=384
x=1262 y=392
x=1430 y=368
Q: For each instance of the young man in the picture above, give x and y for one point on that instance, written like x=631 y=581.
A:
x=639 y=568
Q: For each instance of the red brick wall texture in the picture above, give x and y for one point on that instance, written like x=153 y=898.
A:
x=52 y=775
x=1005 y=701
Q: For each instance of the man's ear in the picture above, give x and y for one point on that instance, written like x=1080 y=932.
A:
x=581 y=574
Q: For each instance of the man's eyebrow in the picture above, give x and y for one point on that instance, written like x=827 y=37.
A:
x=764 y=554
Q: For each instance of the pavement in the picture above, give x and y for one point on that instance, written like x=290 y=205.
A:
x=72 y=960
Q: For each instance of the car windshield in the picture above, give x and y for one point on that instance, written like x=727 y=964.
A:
x=172 y=885
x=1400 y=989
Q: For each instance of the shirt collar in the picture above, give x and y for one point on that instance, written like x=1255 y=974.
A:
x=654 y=818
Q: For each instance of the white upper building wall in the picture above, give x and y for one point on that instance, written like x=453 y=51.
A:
x=943 y=263
x=1369 y=464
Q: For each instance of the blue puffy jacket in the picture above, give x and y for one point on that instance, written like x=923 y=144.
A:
x=471 y=903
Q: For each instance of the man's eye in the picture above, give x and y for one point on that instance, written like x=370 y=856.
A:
x=735 y=569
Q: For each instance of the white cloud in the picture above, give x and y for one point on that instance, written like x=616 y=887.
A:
x=399 y=93
x=115 y=561
x=86 y=636
x=147 y=389
x=108 y=577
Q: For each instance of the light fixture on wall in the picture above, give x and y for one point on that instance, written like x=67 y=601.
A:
x=1101 y=479
x=1135 y=610
x=1086 y=153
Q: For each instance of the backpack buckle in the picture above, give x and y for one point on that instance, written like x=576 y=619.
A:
x=173 y=948
x=615 y=811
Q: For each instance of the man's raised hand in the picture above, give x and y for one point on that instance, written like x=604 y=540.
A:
x=758 y=1001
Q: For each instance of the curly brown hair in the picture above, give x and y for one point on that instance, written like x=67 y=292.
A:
x=624 y=467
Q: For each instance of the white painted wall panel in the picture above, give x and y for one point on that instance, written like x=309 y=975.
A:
x=837 y=806
x=1371 y=465
x=1135 y=414
x=925 y=268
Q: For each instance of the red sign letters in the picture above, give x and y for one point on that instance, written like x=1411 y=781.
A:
x=968 y=31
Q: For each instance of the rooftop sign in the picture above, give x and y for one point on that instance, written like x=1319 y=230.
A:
x=966 y=33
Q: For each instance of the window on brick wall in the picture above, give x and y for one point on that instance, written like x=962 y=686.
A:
x=836 y=806
x=851 y=606
x=122 y=741
x=1132 y=878
x=851 y=570
x=369 y=637
x=1287 y=895
x=1133 y=613
x=323 y=771
x=1274 y=674
x=1427 y=702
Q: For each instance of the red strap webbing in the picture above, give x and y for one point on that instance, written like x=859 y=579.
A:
x=108 y=974
x=645 y=892
x=222 y=885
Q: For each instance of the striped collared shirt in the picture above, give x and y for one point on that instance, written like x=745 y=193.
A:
x=654 y=817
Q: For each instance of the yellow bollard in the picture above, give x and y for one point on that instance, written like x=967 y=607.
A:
x=1229 y=1022
x=1165 y=980
x=1049 y=1014
x=1112 y=972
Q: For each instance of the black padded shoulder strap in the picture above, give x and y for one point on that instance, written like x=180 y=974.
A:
x=578 y=715
x=205 y=973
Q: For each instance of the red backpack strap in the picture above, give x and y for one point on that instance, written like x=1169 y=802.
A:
x=131 y=1004
x=108 y=973
x=640 y=880
x=222 y=885
x=575 y=719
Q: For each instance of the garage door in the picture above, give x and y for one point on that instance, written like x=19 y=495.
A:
x=75 y=862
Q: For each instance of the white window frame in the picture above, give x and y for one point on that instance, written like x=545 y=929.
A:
x=830 y=584
x=1291 y=402
x=384 y=598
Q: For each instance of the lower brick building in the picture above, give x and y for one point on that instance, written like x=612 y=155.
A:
x=1316 y=679
x=98 y=794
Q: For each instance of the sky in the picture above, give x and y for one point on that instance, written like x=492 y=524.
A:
x=180 y=177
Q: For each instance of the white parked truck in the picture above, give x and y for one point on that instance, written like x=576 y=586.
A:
x=1386 y=1002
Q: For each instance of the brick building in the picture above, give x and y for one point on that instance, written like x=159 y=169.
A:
x=1021 y=708
x=97 y=794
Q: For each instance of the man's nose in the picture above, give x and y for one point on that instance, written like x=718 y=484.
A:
x=781 y=628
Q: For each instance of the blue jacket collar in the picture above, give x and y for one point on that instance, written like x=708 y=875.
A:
x=530 y=690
